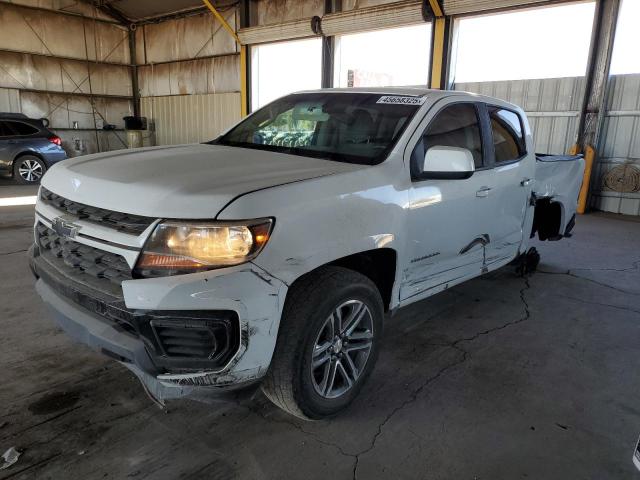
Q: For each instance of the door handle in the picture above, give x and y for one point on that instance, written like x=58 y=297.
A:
x=526 y=182
x=483 y=192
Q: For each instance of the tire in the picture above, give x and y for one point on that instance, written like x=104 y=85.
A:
x=308 y=323
x=28 y=169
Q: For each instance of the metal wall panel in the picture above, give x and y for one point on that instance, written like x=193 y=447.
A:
x=270 y=12
x=10 y=100
x=187 y=38
x=210 y=75
x=80 y=8
x=40 y=32
x=64 y=109
x=615 y=183
x=25 y=71
x=191 y=118
x=356 y=4
x=552 y=106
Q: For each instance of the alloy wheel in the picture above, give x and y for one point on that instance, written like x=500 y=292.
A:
x=342 y=349
x=30 y=170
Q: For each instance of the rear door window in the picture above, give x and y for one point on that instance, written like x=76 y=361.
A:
x=22 y=129
x=508 y=139
x=5 y=131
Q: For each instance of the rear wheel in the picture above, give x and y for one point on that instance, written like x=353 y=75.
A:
x=28 y=169
x=327 y=343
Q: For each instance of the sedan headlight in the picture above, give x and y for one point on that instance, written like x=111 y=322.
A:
x=176 y=247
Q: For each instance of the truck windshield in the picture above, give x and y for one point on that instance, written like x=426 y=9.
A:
x=345 y=127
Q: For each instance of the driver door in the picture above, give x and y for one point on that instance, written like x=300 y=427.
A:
x=448 y=218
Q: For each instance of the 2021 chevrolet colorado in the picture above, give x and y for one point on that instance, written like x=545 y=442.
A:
x=270 y=255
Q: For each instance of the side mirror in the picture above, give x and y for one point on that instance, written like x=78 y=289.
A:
x=447 y=163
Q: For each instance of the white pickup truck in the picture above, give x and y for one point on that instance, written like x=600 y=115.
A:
x=269 y=256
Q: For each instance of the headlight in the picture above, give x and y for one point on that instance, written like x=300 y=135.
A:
x=176 y=247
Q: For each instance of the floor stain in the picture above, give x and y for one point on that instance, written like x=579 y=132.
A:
x=54 y=402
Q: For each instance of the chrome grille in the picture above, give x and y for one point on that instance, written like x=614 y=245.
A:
x=123 y=222
x=83 y=259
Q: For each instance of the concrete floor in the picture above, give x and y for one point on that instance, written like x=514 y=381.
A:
x=500 y=378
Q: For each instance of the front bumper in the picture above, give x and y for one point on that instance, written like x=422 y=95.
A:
x=254 y=296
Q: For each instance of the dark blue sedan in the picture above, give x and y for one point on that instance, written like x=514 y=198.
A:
x=27 y=148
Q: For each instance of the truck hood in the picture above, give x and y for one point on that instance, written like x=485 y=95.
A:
x=184 y=181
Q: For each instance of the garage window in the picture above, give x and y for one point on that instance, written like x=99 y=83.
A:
x=625 y=58
x=548 y=42
x=378 y=58
x=508 y=140
x=278 y=69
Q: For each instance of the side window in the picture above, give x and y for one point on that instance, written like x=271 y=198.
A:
x=508 y=139
x=5 y=131
x=456 y=125
x=22 y=128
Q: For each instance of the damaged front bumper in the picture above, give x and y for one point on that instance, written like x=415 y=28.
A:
x=159 y=327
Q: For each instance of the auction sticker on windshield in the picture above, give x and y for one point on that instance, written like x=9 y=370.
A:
x=401 y=100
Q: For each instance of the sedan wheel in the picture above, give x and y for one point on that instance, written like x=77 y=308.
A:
x=29 y=169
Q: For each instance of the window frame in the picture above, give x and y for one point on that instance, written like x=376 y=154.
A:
x=482 y=116
x=494 y=162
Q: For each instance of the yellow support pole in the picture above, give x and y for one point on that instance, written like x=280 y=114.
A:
x=435 y=6
x=439 y=28
x=243 y=81
x=222 y=20
x=243 y=56
x=438 y=53
x=589 y=157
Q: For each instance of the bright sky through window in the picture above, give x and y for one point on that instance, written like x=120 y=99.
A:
x=380 y=58
x=626 y=47
x=546 y=42
x=284 y=67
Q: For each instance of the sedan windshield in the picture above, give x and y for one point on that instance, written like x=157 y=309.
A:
x=346 y=127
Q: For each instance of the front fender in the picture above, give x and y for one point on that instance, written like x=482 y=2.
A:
x=325 y=219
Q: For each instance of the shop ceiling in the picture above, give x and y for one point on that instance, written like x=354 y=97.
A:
x=136 y=11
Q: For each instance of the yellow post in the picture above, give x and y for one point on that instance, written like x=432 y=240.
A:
x=438 y=53
x=438 y=44
x=589 y=157
x=243 y=56
x=243 y=81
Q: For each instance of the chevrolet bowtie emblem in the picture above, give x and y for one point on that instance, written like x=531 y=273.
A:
x=64 y=228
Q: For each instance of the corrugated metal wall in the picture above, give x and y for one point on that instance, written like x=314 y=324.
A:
x=615 y=183
x=191 y=118
x=71 y=69
x=194 y=92
x=10 y=100
x=552 y=106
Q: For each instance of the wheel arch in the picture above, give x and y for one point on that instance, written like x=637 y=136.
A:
x=30 y=153
x=378 y=265
x=548 y=219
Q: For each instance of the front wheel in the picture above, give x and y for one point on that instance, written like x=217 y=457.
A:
x=28 y=169
x=327 y=344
